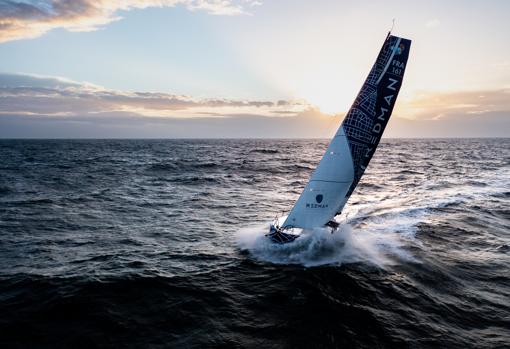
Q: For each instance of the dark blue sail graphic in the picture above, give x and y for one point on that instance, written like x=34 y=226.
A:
x=365 y=122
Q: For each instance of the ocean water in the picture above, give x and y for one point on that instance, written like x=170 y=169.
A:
x=160 y=243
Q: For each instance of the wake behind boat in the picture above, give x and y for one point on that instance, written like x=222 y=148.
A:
x=351 y=149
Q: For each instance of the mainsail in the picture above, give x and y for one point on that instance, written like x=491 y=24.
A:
x=354 y=144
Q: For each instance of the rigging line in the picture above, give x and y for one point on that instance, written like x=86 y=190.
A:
x=327 y=129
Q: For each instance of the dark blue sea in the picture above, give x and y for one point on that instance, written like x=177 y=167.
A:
x=160 y=244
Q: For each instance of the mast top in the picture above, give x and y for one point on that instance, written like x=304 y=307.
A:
x=392 y=25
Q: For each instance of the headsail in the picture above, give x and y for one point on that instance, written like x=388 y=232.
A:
x=354 y=144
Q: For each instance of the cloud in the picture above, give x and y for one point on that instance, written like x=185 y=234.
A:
x=482 y=113
x=490 y=124
x=24 y=19
x=455 y=104
x=310 y=123
x=44 y=96
x=48 y=107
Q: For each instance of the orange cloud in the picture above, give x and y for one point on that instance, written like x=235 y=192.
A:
x=21 y=20
x=443 y=105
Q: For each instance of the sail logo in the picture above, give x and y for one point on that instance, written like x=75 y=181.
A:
x=399 y=50
x=313 y=205
x=318 y=202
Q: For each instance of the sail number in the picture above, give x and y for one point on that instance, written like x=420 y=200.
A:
x=397 y=67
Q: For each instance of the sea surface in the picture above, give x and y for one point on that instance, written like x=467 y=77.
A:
x=160 y=243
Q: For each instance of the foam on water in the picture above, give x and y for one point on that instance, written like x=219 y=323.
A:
x=378 y=233
x=381 y=242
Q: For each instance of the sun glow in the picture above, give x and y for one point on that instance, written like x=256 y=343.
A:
x=329 y=90
x=320 y=74
x=329 y=97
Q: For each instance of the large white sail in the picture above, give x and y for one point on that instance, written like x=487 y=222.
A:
x=354 y=144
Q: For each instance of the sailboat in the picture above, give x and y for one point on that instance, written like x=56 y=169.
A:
x=350 y=150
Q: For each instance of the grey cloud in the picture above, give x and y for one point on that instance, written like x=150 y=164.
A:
x=20 y=80
x=310 y=123
x=21 y=10
x=66 y=109
x=307 y=124
x=23 y=94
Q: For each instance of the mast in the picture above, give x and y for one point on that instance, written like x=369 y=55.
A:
x=355 y=142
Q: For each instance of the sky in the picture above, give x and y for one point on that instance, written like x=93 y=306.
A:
x=246 y=68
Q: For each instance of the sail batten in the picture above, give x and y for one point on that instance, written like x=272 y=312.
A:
x=354 y=144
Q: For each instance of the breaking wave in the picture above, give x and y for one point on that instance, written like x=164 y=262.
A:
x=379 y=241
